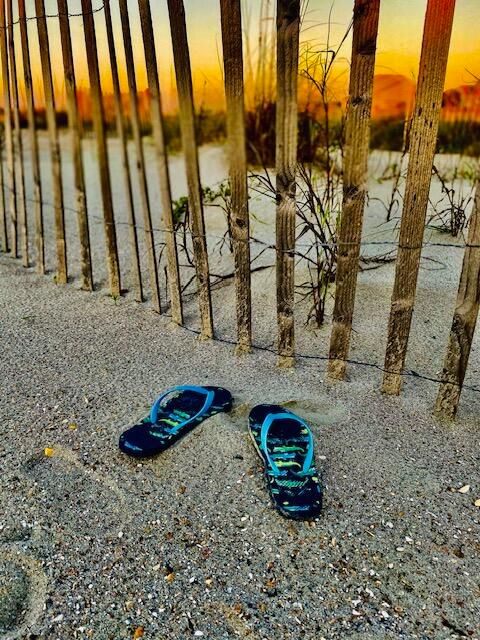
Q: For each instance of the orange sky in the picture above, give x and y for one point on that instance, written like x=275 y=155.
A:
x=399 y=41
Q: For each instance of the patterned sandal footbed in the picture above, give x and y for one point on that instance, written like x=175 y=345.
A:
x=294 y=495
x=147 y=439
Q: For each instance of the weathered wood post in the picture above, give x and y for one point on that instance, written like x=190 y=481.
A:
x=33 y=137
x=74 y=126
x=3 y=208
x=288 y=27
x=239 y=220
x=173 y=271
x=122 y=138
x=8 y=133
x=183 y=75
x=61 y=243
x=102 y=151
x=137 y=137
x=464 y=321
x=355 y=175
x=423 y=138
x=18 y=142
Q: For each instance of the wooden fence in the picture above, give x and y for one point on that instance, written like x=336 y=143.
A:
x=15 y=232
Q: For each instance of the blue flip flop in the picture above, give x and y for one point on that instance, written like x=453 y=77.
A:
x=173 y=414
x=284 y=442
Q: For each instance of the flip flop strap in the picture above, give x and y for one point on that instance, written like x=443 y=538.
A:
x=210 y=395
x=267 y=423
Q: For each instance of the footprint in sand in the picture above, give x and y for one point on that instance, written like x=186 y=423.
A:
x=58 y=492
x=22 y=580
x=13 y=594
x=23 y=587
x=73 y=498
x=317 y=412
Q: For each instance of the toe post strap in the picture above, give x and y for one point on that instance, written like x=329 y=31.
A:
x=209 y=397
x=276 y=465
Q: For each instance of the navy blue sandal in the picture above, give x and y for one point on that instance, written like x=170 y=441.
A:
x=174 y=413
x=285 y=444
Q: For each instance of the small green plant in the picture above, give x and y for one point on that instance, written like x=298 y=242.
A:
x=219 y=195
x=180 y=210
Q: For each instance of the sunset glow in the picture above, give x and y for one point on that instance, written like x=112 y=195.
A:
x=398 y=52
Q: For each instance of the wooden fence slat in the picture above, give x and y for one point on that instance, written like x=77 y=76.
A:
x=8 y=133
x=288 y=26
x=18 y=142
x=137 y=137
x=239 y=220
x=32 y=132
x=122 y=137
x=3 y=208
x=102 y=151
x=464 y=321
x=162 y=161
x=423 y=138
x=183 y=76
x=355 y=173
x=61 y=244
x=75 y=133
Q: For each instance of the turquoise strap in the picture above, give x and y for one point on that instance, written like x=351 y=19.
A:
x=267 y=423
x=210 y=395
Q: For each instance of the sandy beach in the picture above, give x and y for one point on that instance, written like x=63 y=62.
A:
x=96 y=545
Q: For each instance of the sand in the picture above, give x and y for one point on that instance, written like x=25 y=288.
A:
x=96 y=545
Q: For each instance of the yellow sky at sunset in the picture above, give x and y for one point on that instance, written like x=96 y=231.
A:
x=399 y=41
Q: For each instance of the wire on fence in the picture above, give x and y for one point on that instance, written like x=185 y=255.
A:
x=256 y=347
x=316 y=242
x=267 y=245
x=55 y=15
x=361 y=363
x=407 y=373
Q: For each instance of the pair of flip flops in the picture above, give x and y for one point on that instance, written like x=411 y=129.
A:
x=282 y=439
